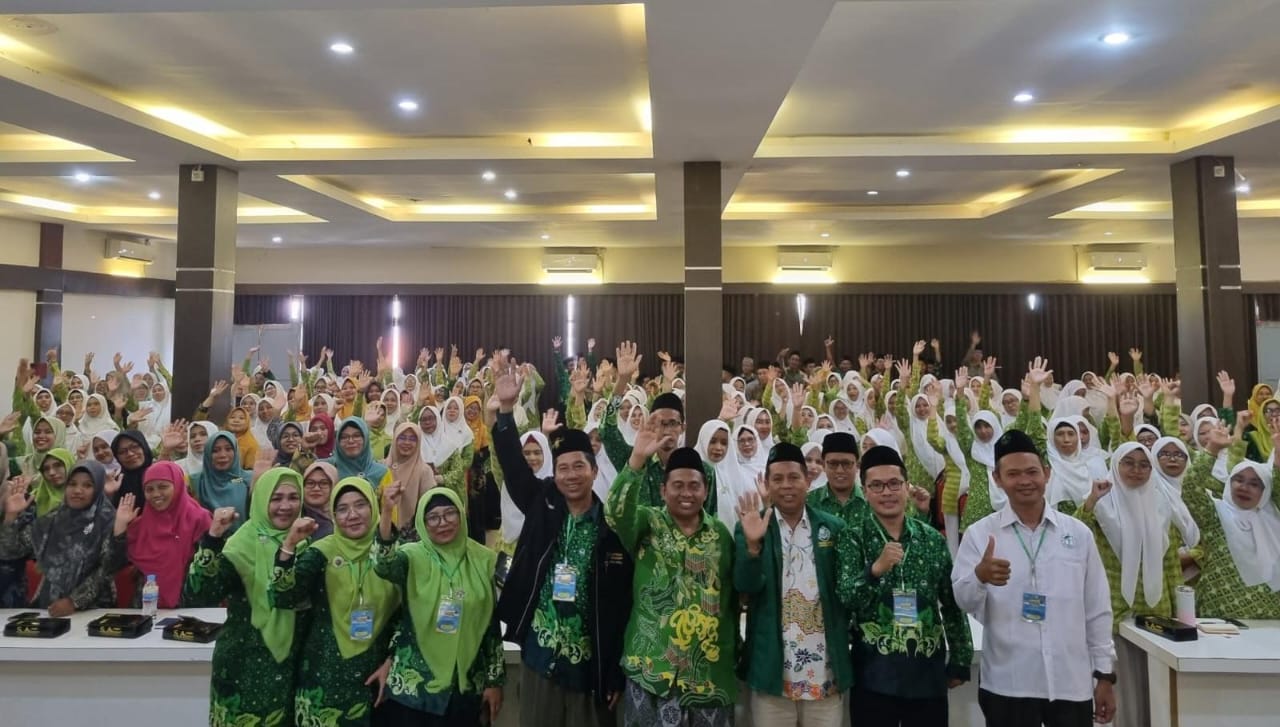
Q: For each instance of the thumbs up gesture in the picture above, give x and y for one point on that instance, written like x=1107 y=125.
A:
x=992 y=570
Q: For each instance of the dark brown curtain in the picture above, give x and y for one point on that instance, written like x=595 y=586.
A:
x=524 y=323
x=253 y=310
x=655 y=322
x=1075 y=331
x=1266 y=306
x=349 y=324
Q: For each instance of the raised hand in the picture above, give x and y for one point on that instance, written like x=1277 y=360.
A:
x=935 y=344
x=301 y=529
x=991 y=570
x=865 y=360
x=1135 y=354
x=1129 y=404
x=920 y=497
x=1038 y=371
x=890 y=556
x=31 y=384
x=9 y=423
x=126 y=512
x=223 y=518
x=989 y=367
x=1227 y=384
x=174 y=437
x=975 y=338
x=112 y=484
x=664 y=356
x=591 y=344
x=729 y=409
x=1113 y=358
x=219 y=388
x=17 y=500
x=578 y=381
x=550 y=421
x=962 y=380
x=628 y=360
x=139 y=415
x=506 y=388
x=797 y=394
x=917 y=348
x=555 y=343
x=391 y=496
x=754 y=522
x=1103 y=387
x=668 y=370
x=829 y=341
x=647 y=443
x=904 y=371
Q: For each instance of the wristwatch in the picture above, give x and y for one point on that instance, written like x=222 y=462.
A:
x=1102 y=677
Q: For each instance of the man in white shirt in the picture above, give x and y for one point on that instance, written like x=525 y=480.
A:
x=1033 y=577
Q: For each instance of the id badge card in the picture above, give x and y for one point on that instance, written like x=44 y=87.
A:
x=448 y=616
x=564 y=587
x=905 y=611
x=361 y=624
x=1034 y=607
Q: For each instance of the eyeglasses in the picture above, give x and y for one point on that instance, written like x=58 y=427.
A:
x=316 y=484
x=1172 y=456
x=840 y=464
x=670 y=424
x=881 y=486
x=346 y=511
x=407 y=438
x=353 y=437
x=448 y=517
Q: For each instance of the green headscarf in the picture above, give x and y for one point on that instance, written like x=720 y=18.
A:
x=252 y=550
x=472 y=566
x=47 y=496
x=36 y=457
x=348 y=574
x=1261 y=434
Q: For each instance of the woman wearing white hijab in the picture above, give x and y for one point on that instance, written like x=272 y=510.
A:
x=454 y=423
x=155 y=423
x=97 y=417
x=606 y=473
x=716 y=448
x=920 y=414
x=813 y=464
x=193 y=463
x=985 y=496
x=748 y=453
x=880 y=437
x=1240 y=566
x=1071 y=473
x=391 y=405
x=841 y=417
x=1131 y=521
x=537 y=451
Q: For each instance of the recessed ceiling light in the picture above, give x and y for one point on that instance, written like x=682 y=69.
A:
x=82 y=177
x=510 y=194
x=407 y=104
x=1243 y=188
x=872 y=192
x=153 y=195
x=342 y=48
x=488 y=175
x=904 y=173
x=1108 y=233
x=825 y=234
x=1116 y=37
x=1024 y=97
x=545 y=236
x=277 y=239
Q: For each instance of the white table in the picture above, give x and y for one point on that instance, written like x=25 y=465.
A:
x=1214 y=680
x=150 y=682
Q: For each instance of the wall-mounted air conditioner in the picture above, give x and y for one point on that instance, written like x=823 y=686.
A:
x=560 y=260
x=804 y=260
x=120 y=248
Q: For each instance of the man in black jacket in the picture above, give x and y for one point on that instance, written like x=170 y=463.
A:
x=567 y=596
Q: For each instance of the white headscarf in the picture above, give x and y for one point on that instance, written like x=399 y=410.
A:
x=954 y=451
x=153 y=426
x=821 y=479
x=1171 y=489
x=753 y=421
x=90 y=426
x=1005 y=418
x=755 y=465
x=881 y=438
x=842 y=423
x=985 y=453
x=512 y=517
x=193 y=463
x=729 y=475
x=1220 y=472
x=1253 y=536
x=606 y=473
x=393 y=418
x=1070 y=476
x=456 y=433
x=435 y=447
x=929 y=457
x=1135 y=521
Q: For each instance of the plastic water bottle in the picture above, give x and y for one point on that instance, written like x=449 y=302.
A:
x=150 y=596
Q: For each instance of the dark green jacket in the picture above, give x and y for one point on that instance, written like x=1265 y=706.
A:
x=760 y=578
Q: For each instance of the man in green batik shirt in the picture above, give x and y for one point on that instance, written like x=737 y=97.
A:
x=678 y=654
x=841 y=496
x=670 y=411
x=912 y=641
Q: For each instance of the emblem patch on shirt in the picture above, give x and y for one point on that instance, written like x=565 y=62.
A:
x=824 y=537
x=338 y=562
x=1068 y=540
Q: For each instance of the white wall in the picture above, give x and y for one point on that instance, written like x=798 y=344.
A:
x=19 y=242
x=105 y=324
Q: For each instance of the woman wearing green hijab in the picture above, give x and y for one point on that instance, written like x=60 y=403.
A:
x=347 y=637
x=256 y=654
x=47 y=433
x=446 y=668
x=46 y=490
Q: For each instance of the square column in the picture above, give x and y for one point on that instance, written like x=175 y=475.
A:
x=703 y=294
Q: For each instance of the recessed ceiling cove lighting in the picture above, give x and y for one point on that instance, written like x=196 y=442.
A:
x=407 y=104
x=153 y=195
x=545 y=236
x=1108 y=233
x=825 y=235
x=277 y=239
x=82 y=177
x=488 y=175
x=1024 y=97
x=510 y=194
x=872 y=193
x=342 y=48
x=1116 y=37
x=904 y=173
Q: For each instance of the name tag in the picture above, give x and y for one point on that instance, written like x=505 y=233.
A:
x=564 y=587
x=1034 y=607
x=361 y=624
x=448 y=616
x=905 y=609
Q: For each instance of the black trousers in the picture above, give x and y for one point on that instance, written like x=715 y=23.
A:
x=1003 y=711
x=871 y=709
x=462 y=712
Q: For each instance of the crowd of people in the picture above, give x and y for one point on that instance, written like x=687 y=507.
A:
x=377 y=534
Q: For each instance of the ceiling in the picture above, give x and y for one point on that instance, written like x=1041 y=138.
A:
x=862 y=122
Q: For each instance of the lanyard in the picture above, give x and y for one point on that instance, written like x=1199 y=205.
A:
x=884 y=535
x=445 y=569
x=1030 y=556
x=359 y=571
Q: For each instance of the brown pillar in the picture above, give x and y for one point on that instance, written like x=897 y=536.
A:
x=703 y=294
x=1213 y=326
x=49 y=300
x=205 y=284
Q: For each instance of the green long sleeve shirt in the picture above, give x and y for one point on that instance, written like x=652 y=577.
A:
x=681 y=638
